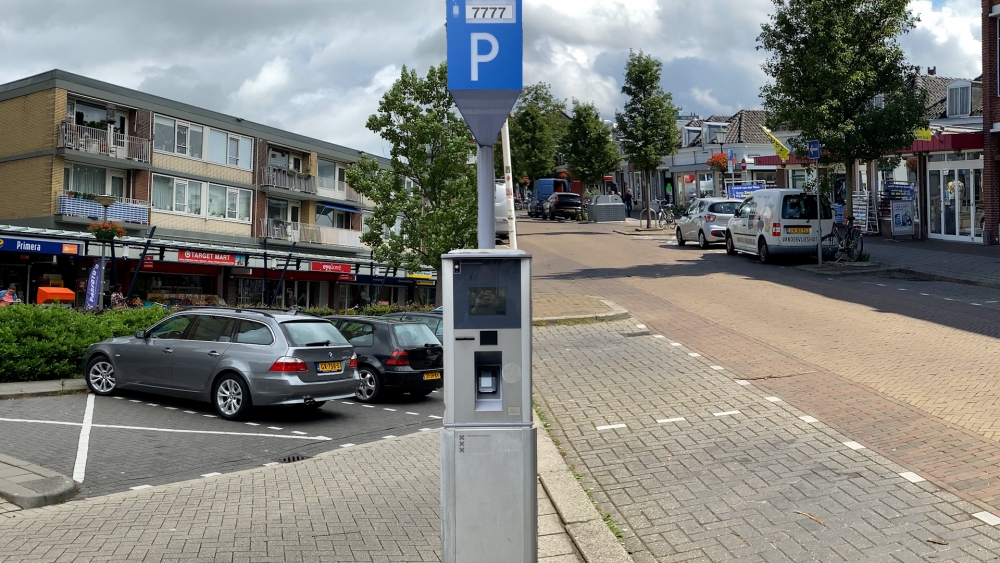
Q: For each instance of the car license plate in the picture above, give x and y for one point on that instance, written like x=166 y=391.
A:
x=328 y=367
x=798 y=230
x=432 y=375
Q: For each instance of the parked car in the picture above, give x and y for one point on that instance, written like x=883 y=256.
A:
x=705 y=220
x=564 y=204
x=393 y=356
x=433 y=319
x=540 y=192
x=233 y=358
x=778 y=221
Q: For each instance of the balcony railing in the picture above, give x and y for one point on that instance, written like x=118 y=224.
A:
x=277 y=177
x=301 y=232
x=353 y=195
x=97 y=141
x=124 y=209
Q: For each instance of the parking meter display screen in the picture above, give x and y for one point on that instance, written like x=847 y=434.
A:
x=487 y=294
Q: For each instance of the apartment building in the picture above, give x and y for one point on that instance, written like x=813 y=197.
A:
x=236 y=205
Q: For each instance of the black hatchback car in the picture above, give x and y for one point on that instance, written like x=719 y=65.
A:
x=393 y=356
x=562 y=204
x=433 y=320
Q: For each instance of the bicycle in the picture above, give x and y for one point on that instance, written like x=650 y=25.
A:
x=849 y=245
x=663 y=216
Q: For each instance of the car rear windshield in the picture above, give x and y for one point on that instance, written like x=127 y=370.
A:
x=724 y=208
x=568 y=198
x=803 y=206
x=414 y=335
x=313 y=333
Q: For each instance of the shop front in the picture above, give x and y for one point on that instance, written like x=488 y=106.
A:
x=30 y=263
x=951 y=167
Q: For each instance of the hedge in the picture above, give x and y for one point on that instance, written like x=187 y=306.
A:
x=38 y=343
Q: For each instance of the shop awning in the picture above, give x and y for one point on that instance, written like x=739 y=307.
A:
x=341 y=207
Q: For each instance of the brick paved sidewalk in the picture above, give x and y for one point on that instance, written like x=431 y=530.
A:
x=555 y=306
x=944 y=259
x=375 y=502
x=696 y=466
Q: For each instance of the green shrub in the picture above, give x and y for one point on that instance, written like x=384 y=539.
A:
x=38 y=343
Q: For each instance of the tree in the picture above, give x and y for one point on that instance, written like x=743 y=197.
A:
x=840 y=77
x=648 y=125
x=537 y=126
x=412 y=226
x=590 y=151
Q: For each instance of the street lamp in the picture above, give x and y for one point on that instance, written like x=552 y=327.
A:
x=106 y=201
x=720 y=139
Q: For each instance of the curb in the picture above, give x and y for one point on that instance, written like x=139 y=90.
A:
x=639 y=232
x=584 y=525
x=27 y=389
x=49 y=488
x=839 y=271
x=617 y=313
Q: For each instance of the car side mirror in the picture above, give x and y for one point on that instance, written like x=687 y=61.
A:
x=140 y=334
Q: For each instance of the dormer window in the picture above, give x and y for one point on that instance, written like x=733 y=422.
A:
x=959 y=99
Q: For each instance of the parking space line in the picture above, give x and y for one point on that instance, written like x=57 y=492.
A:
x=212 y=474
x=435 y=416
x=134 y=401
x=298 y=432
x=726 y=413
x=387 y=437
x=170 y=408
x=140 y=487
x=610 y=426
x=275 y=428
x=169 y=430
x=251 y=424
x=347 y=402
x=153 y=404
x=666 y=420
x=80 y=467
x=119 y=398
x=368 y=406
x=347 y=445
x=190 y=412
x=911 y=477
x=388 y=409
x=925 y=294
x=987 y=517
x=413 y=413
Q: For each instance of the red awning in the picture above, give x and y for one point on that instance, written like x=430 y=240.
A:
x=949 y=142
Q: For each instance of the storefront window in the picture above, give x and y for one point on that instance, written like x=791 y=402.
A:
x=176 y=289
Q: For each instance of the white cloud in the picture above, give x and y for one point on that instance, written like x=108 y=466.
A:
x=709 y=102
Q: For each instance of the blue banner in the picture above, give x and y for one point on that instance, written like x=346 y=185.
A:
x=94 y=286
x=903 y=192
x=741 y=191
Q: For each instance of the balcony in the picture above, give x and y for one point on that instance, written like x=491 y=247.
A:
x=96 y=141
x=314 y=234
x=124 y=209
x=277 y=177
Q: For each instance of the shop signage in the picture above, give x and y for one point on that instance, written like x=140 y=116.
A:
x=898 y=191
x=10 y=244
x=861 y=210
x=346 y=277
x=217 y=258
x=419 y=276
x=147 y=262
x=741 y=191
x=902 y=218
x=332 y=267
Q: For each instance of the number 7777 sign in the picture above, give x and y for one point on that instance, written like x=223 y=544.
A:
x=485 y=51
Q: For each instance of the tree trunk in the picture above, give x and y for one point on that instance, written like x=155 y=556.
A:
x=645 y=198
x=849 y=189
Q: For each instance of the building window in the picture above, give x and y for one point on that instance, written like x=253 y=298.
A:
x=959 y=100
x=229 y=203
x=179 y=195
x=797 y=179
x=188 y=139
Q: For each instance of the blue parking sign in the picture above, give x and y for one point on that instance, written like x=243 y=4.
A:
x=485 y=45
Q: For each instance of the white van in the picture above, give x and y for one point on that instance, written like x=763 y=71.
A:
x=501 y=210
x=778 y=221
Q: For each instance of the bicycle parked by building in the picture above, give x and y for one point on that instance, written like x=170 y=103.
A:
x=850 y=245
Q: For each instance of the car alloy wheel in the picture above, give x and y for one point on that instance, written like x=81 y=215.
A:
x=232 y=398
x=369 y=385
x=101 y=376
x=702 y=241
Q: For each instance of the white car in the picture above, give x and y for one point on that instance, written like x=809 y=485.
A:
x=779 y=221
x=501 y=213
x=705 y=220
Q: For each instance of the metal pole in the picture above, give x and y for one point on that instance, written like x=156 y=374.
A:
x=487 y=185
x=142 y=260
x=283 y=270
x=509 y=183
x=265 y=292
x=819 y=216
x=104 y=248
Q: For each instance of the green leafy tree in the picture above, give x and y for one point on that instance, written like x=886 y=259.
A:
x=648 y=125
x=537 y=126
x=425 y=203
x=590 y=151
x=840 y=77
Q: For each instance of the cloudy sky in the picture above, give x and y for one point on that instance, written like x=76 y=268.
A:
x=318 y=67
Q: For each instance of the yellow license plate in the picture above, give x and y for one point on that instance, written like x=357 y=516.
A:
x=326 y=367
x=798 y=230
x=432 y=375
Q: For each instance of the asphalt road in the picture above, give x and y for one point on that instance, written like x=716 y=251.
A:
x=139 y=439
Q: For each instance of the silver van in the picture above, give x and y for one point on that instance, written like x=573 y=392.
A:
x=501 y=212
x=779 y=221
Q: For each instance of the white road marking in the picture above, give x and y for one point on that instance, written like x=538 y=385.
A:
x=80 y=467
x=987 y=517
x=901 y=288
x=658 y=336
x=717 y=368
x=675 y=343
x=640 y=326
x=988 y=302
x=611 y=426
x=190 y=412
x=948 y=299
x=742 y=382
x=388 y=409
x=298 y=432
x=925 y=294
x=878 y=284
x=808 y=419
x=140 y=487
x=387 y=437
x=773 y=399
x=368 y=406
x=134 y=401
x=119 y=398
x=976 y=304
x=911 y=477
x=414 y=413
x=694 y=354
x=435 y=416
x=726 y=413
x=854 y=445
x=270 y=464
x=153 y=404
x=436 y=391
x=323 y=438
x=666 y=420
x=347 y=402
x=170 y=408
x=212 y=474
x=251 y=424
x=426 y=429
x=209 y=416
x=169 y=430
x=347 y=445
x=275 y=428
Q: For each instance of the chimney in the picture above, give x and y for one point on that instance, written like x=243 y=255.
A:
x=932 y=71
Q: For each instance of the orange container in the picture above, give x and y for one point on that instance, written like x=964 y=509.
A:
x=50 y=294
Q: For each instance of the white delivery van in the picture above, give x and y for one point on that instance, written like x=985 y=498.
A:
x=779 y=221
x=500 y=210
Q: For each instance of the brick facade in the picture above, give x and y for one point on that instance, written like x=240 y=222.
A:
x=29 y=122
x=991 y=115
x=34 y=182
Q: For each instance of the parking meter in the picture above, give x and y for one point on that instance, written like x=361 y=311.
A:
x=488 y=465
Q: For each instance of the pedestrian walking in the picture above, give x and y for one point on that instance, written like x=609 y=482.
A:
x=628 y=203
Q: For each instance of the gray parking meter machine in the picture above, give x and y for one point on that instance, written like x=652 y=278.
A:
x=488 y=468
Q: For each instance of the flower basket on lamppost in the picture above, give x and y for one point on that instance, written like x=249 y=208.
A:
x=106 y=231
x=718 y=162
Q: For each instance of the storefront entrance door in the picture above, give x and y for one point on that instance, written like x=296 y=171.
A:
x=955 y=204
